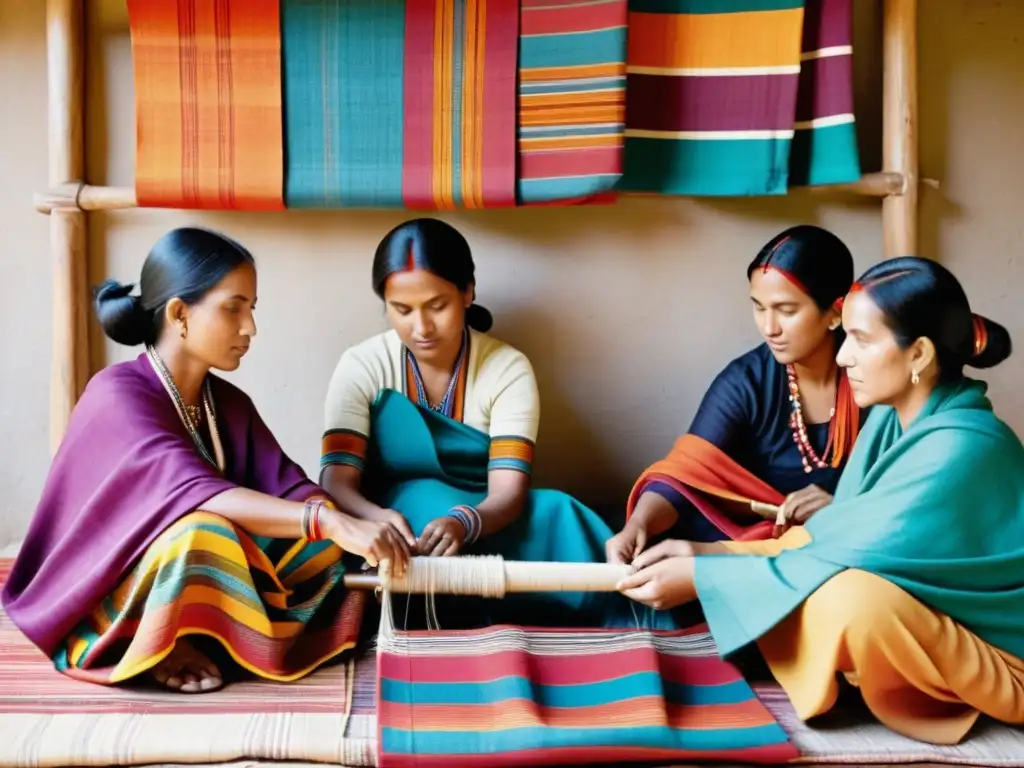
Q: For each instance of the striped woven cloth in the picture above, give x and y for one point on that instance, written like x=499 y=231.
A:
x=719 y=88
x=400 y=103
x=572 y=98
x=825 y=139
x=207 y=103
x=443 y=104
x=51 y=720
x=505 y=696
x=278 y=608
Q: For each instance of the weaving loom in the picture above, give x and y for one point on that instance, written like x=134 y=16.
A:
x=49 y=721
x=238 y=182
x=506 y=696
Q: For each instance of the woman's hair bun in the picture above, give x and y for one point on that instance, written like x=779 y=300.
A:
x=478 y=318
x=121 y=315
x=992 y=342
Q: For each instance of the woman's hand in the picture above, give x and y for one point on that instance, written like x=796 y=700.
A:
x=442 y=537
x=624 y=546
x=370 y=539
x=800 y=505
x=664 y=550
x=397 y=521
x=665 y=584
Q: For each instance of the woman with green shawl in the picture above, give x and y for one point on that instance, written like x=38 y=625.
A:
x=910 y=585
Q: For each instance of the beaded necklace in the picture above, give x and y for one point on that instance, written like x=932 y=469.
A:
x=808 y=457
x=191 y=424
x=446 y=406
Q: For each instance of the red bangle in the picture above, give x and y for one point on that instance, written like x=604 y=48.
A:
x=314 y=521
x=311 y=530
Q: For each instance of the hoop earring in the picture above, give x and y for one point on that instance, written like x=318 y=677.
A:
x=915 y=378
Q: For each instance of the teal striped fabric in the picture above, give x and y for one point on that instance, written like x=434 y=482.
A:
x=507 y=696
x=343 y=102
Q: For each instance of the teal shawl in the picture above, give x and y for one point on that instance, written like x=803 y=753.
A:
x=937 y=509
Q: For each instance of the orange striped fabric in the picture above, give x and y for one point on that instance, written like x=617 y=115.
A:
x=511 y=452
x=208 y=103
x=343 y=446
x=572 y=100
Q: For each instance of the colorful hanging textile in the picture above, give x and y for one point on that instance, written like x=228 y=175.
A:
x=400 y=103
x=717 y=89
x=572 y=98
x=208 y=103
x=825 y=140
x=505 y=696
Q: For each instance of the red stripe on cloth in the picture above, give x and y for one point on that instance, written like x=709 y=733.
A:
x=825 y=88
x=555 y=670
x=827 y=23
x=570 y=17
x=693 y=103
x=572 y=162
x=501 y=55
x=522 y=713
x=418 y=95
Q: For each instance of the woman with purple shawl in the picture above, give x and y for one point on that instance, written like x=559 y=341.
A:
x=173 y=533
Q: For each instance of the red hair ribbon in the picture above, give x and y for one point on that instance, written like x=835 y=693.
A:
x=980 y=334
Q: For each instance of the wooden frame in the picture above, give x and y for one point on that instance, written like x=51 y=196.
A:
x=69 y=196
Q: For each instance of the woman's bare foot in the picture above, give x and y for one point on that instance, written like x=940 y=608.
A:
x=187 y=670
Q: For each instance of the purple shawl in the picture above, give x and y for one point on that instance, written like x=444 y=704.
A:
x=126 y=470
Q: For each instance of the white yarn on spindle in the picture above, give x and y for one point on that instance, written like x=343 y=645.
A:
x=490 y=576
x=482 y=575
x=466 y=575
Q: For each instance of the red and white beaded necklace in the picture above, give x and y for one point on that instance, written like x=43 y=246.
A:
x=808 y=456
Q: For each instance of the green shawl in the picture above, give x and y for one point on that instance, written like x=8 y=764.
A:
x=937 y=509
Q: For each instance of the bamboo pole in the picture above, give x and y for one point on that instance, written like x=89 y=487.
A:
x=89 y=198
x=899 y=127
x=65 y=43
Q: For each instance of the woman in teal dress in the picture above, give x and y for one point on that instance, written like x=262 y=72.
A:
x=430 y=427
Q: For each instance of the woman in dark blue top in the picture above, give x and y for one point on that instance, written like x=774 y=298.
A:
x=773 y=432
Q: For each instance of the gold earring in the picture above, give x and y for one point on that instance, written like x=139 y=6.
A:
x=915 y=378
x=833 y=326
x=184 y=329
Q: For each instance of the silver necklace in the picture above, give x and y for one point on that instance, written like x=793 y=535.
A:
x=179 y=404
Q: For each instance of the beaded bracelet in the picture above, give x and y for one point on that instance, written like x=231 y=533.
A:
x=311 y=519
x=470 y=520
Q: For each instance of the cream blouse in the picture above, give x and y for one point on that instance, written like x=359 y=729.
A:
x=497 y=394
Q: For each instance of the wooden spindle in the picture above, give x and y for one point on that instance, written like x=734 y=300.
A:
x=899 y=127
x=65 y=42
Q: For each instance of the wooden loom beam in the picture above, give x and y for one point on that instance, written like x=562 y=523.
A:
x=65 y=46
x=69 y=197
x=899 y=127
x=89 y=198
